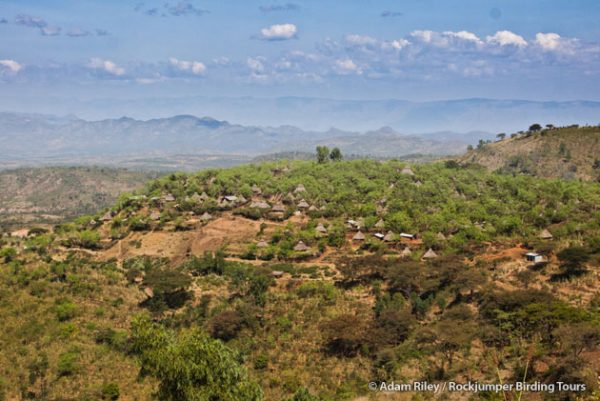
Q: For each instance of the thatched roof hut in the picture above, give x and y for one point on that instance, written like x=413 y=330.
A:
x=406 y=252
x=260 y=205
x=389 y=237
x=545 y=234
x=321 y=228
x=301 y=247
x=155 y=215
x=430 y=254
x=380 y=224
x=256 y=189
x=279 y=207
x=262 y=244
x=206 y=216
x=169 y=198
x=359 y=236
x=106 y=217
x=407 y=170
x=303 y=204
x=299 y=188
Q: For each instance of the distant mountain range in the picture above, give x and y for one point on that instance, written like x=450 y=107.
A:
x=33 y=139
x=319 y=114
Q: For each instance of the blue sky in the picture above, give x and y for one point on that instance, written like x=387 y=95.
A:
x=352 y=49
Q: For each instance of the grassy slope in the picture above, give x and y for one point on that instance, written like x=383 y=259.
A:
x=560 y=153
x=51 y=194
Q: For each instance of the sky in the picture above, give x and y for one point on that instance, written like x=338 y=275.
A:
x=416 y=50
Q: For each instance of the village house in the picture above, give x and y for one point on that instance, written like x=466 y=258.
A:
x=301 y=247
x=534 y=257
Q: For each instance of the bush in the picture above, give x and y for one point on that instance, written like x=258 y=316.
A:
x=110 y=391
x=67 y=363
x=65 y=310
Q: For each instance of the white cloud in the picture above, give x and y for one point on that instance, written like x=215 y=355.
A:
x=554 y=42
x=194 y=67
x=506 y=38
x=279 y=32
x=347 y=66
x=255 y=64
x=106 y=66
x=360 y=40
x=11 y=65
x=399 y=44
x=426 y=36
x=50 y=30
x=463 y=35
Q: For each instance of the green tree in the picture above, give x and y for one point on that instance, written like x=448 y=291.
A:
x=322 y=154
x=535 y=127
x=336 y=154
x=573 y=259
x=191 y=366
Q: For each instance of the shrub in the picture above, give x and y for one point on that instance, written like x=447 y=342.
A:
x=65 y=310
x=67 y=363
x=110 y=391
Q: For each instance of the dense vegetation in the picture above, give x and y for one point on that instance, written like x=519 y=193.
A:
x=283 y=322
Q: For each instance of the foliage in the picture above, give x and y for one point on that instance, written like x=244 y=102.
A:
x=191 y=366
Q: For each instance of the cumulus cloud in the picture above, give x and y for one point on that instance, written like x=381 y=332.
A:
x=107 y=66
x=399 y=44
x=463 y=35
x=279 y=32
x=553 y=42
x=279 y=7
x=506 y=38
x=347 y=66
x=11 y=65
x=447 y=38
x=192 y=67
x=361 y=40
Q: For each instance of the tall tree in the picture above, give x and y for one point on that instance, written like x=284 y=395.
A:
x=322 y=154
x=336 y=154
x=191 y=366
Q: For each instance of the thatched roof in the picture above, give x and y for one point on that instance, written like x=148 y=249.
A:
x=106 y=217
x=262 y=244
x=155 y=215
x=260 y=205
x=312 y=208
x=389 y=237
x=205 y=216
x=279 y=207
x=406 y=252
x=303 y=204
x=430 y=254
x=418 y=183
x=407 y=170
x=380 y=224
x=204 y=196
x=299 y=188
x=256 y=189
x=301 y=247
x=441 y=236
x=169 y=198
x=230 y=198
x=359 y=236
x=545 y=234
x=321 y=228
x=196 y=198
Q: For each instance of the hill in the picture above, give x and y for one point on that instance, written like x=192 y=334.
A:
x=568 y=152
x=302 y=279
x=53 y=194
x=182 y=141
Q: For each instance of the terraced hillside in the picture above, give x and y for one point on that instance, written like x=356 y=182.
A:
x=306 y=281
